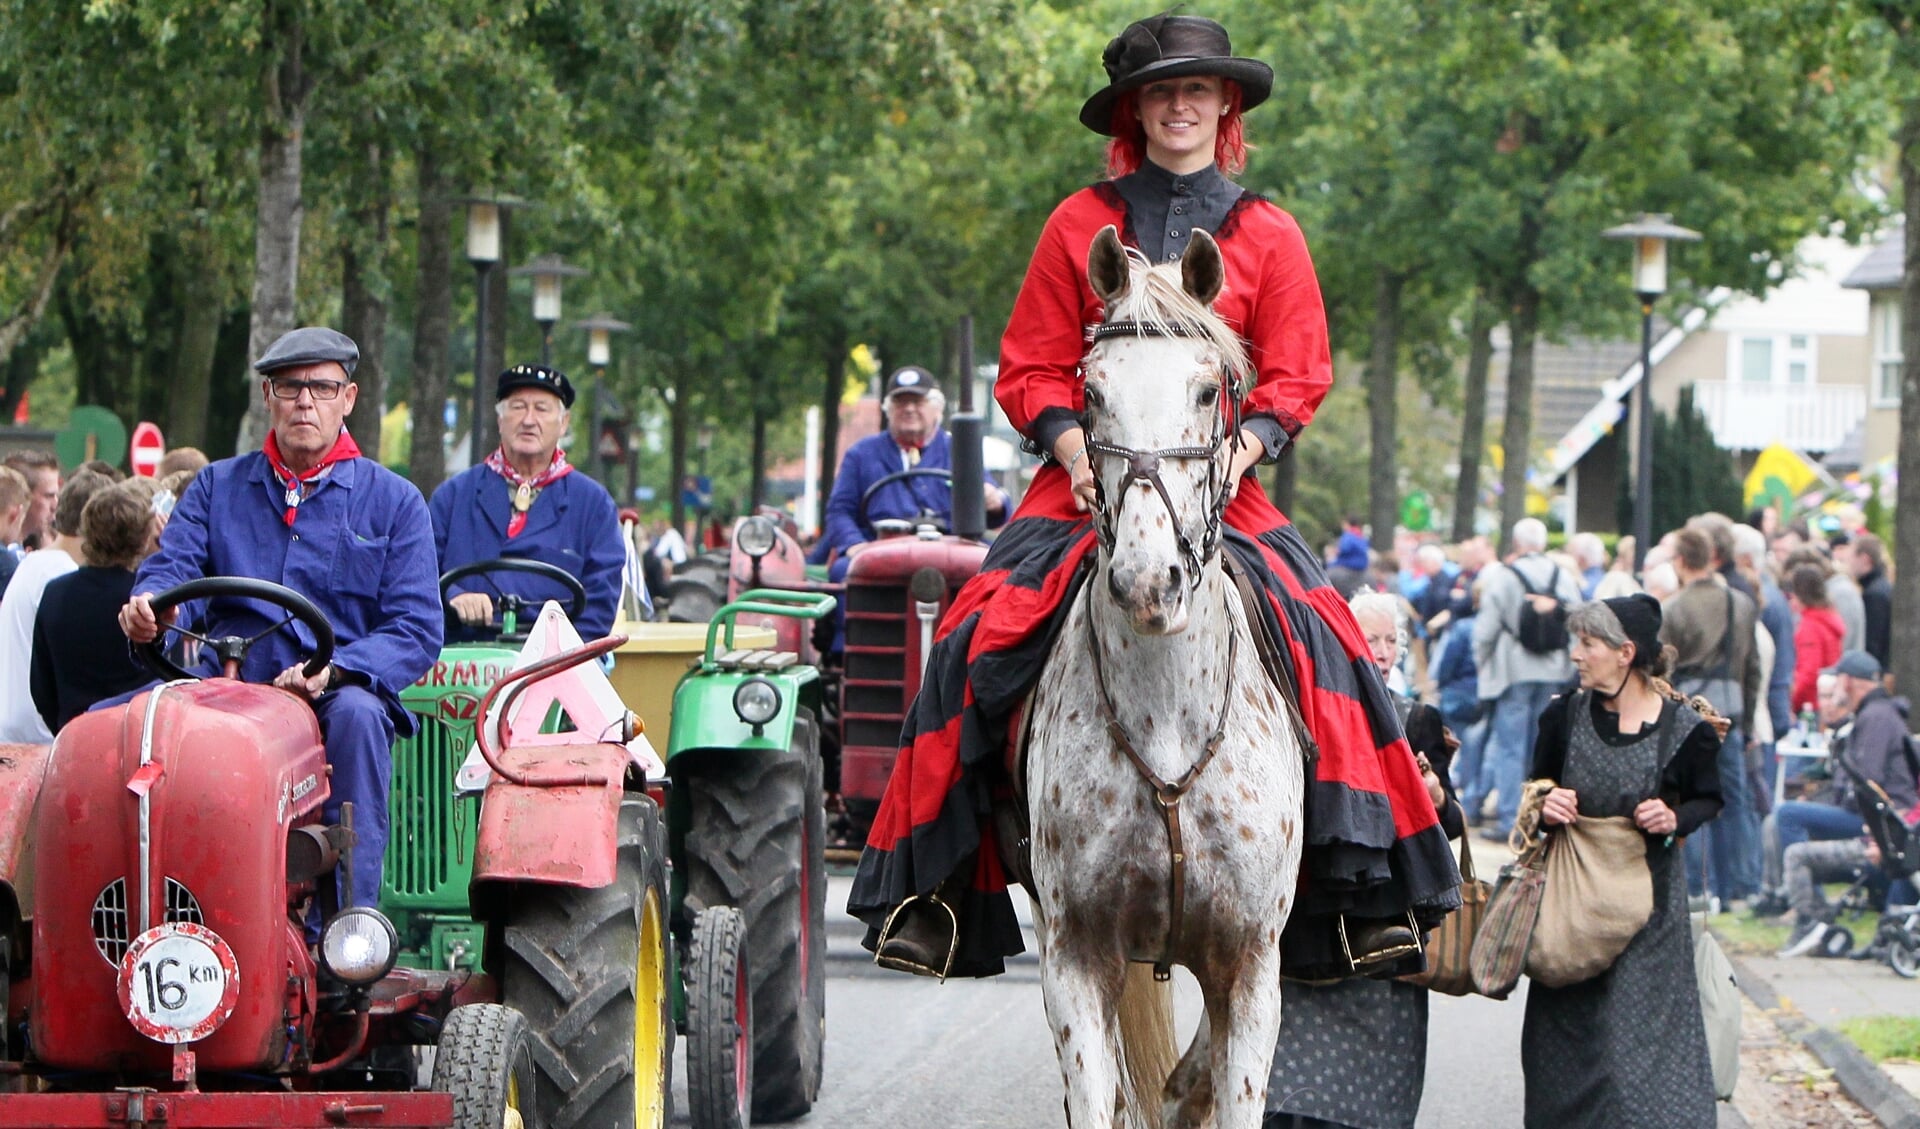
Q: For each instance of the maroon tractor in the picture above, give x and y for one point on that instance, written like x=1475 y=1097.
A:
x=173 y=951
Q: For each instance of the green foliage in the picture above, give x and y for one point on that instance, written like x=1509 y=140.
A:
x=1883 y=1037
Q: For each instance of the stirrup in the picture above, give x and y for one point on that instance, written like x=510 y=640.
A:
x=1383 y=955
x=900 y=964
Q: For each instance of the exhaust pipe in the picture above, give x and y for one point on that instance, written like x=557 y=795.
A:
x=969 y=462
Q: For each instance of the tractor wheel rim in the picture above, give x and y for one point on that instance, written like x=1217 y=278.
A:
x=649 y=1047
x=510 y=1118
x=742 y=1036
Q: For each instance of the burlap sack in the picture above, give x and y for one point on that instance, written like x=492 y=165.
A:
x=1598 y=896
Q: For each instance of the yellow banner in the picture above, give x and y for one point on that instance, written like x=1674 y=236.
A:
x=1779 y=476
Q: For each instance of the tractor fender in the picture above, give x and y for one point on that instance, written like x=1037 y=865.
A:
x=704 y=718
x=23 y=768
x=562 y=835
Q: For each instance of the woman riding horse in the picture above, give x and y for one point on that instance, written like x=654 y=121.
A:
x=931 y=885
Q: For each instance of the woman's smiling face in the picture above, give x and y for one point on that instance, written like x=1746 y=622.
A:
x=1181 y=117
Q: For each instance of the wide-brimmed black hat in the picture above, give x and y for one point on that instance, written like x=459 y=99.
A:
x=536 y=376
x=1171 y=47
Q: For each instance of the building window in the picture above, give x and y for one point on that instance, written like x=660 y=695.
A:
x=1788 y=359
x=1887 y=356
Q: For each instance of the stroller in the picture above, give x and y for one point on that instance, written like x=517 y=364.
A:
x=1898 y=930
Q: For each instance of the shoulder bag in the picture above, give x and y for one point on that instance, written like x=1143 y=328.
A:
x=1450 y=948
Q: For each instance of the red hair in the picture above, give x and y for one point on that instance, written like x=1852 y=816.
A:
x=1128 y=149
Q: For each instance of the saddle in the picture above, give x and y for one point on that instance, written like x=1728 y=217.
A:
x=1012 y=824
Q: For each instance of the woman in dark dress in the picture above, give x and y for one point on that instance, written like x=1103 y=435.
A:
x=1353 y=1053
x=929 y=879
x=1628 y=1048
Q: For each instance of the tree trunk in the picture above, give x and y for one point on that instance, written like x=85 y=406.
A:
x=836 y=368
x=1383 y=479
x=276 y=238
x=191 y=379
x=1473 y=419
x=363 y=298
x=1516 y=434
x=432 y=324
x=1906 y=520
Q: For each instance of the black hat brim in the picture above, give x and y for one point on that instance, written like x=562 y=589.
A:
x=1255 y=79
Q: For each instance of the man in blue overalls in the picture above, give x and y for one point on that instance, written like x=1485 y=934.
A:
x=913 y=439
x=525 y=501
x=351 y=536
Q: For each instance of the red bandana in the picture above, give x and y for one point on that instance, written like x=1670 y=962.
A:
x=343 y=448
x=525 y=489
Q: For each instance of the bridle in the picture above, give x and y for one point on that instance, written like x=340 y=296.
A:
x=1144 y=466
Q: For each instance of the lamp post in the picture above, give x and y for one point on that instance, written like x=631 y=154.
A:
x=600 y=330
x=1650 y=233
x=484 y=230
x=704 y=437
x=547 y=271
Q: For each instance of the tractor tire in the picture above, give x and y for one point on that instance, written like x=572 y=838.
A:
x=589 y=969
x=756 y=840
x=485 y=1060
x=694 y=599
x=719 y=1022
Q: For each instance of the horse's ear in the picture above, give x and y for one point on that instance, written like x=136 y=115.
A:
x=1107 y=269
x=1202 y=272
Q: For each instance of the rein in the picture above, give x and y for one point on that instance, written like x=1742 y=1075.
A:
x=1168 y=793
x=1144 y=466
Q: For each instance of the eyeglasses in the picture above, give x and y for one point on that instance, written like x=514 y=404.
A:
x=545 y=409
x=321 y=389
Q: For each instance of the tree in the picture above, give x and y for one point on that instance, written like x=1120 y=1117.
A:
x=1902 y=21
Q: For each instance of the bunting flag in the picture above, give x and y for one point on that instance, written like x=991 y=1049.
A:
x=1779 y=475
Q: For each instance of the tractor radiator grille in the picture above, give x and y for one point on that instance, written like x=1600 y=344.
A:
x=111 y=930
x=873 y=692
x=422 y=808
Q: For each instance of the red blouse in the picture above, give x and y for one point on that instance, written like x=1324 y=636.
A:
x=1271 y=296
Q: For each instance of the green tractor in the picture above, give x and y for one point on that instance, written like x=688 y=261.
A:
x=747 y=837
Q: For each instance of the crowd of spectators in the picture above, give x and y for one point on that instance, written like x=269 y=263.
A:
x=1784 y=630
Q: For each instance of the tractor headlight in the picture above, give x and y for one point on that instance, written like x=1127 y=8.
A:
x=359 y=946
x=757 y=702
x=756 y=537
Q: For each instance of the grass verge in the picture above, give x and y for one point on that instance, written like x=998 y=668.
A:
x=1883 y=1037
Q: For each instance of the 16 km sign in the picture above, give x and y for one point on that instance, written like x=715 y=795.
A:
x=178 y=982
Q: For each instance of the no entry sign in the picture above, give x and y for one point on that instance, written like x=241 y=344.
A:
x=145 y=449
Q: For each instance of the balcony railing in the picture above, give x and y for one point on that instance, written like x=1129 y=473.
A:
x=1806 y=417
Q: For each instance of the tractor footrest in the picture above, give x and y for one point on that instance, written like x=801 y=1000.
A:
x=375 y=1109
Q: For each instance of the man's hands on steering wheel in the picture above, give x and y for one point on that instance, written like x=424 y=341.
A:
x=144 y=616
x=925 y=516
x=477 y=609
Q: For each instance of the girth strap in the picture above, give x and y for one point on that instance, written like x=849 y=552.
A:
x=1168 y=794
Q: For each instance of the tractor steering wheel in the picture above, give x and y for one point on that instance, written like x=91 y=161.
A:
x=232 y=649
x=925 y=517
x=576 y=592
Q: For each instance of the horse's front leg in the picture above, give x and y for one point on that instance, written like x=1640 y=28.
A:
x=1245 y=1017
x=1081 y=984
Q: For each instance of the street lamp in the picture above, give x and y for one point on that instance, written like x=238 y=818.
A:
x=546 y=272
x=600 y=330
x=484 y=238
x=1650 y=233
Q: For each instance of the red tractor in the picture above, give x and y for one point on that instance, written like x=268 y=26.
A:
x=173 y=951
x=897 y=588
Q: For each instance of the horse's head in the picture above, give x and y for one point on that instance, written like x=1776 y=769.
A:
x=1163 y=384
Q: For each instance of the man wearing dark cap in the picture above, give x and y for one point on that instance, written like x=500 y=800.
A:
x=309 y=513
x=525 y=502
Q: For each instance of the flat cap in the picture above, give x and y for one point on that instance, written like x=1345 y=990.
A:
x=536 y=376
x=1858 y=664
x=309 y=345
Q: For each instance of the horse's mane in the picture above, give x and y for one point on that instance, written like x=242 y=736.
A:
x=1157 y=298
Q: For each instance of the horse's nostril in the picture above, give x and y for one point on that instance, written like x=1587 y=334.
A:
x=1173 y=577
x=1117 y=584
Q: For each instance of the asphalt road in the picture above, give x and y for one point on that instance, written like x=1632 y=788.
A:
x=903 y=1051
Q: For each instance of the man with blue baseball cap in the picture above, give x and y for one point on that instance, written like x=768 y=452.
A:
x=308 y=512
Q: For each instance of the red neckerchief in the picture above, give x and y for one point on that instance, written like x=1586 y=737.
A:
x=343 y=448
x=524 y=488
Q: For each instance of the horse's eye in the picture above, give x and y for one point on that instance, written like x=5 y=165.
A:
x=1095 y=401
x=1208 y=395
